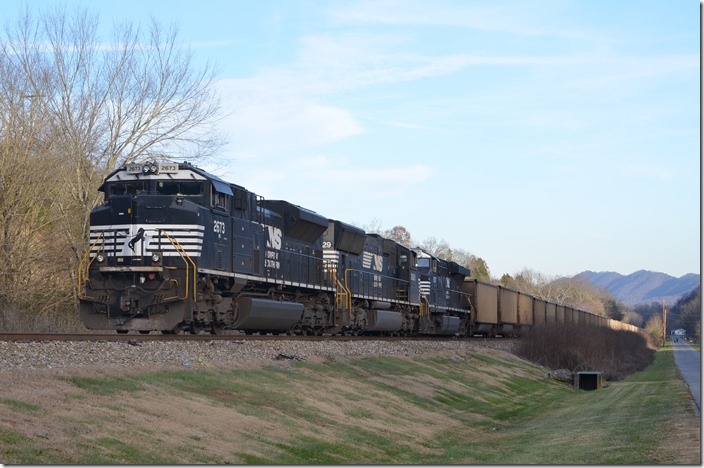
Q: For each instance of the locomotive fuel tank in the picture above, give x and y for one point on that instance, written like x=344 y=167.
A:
x=384 y=321
x=450 y=325
x=254 y=314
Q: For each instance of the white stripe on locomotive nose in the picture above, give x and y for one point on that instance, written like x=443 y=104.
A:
x=117 y=239
x=425 y=287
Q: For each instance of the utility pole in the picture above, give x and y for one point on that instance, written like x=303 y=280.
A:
x=664 y=323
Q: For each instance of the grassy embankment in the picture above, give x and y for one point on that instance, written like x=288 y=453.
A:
x=481 y=408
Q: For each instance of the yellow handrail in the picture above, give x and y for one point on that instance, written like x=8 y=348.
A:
x=343 y=300
x=84 y=277
x=424 y=305
x=186 y=258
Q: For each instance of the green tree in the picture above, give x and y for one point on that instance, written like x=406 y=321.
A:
x=480 y=269
x=613 y=309
x=686 y=313
x=507 y=281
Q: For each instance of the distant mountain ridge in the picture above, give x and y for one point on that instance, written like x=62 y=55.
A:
x=643 y=287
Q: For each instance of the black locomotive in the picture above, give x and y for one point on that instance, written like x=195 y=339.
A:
x=176 y=249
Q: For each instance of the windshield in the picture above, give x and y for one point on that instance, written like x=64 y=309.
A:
x=179 y=187
x=128 y=188
x=163 y=187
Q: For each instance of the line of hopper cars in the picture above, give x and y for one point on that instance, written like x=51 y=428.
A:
x=497 y=310
x=177 y=249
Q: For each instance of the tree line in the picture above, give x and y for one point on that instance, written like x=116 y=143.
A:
x=685 y=314
x=577 y=293
x=573 y=292
x=73 y=107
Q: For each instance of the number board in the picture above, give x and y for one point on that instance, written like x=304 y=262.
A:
x=162 y=168
x=168 y=168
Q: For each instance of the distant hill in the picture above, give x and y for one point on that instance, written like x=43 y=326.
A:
x=643 y=287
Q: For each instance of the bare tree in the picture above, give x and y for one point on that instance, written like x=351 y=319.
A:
x=29 y=257
x=477 y=265
x=654 y=327
x=399 y=234
x=139 y=96
x=439 y=248
x=374 y=227
x=73 y=108
x=572 y=292
x=632 y=317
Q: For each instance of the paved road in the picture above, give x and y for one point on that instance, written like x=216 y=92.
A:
x=689 y=361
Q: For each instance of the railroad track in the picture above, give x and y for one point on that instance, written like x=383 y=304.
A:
x=98 y=337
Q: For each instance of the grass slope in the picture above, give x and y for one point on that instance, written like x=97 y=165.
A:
x=468 y=408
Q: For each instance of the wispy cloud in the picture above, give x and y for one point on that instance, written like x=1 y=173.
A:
x=309 y=181
x=516 y=17
x=272 y=119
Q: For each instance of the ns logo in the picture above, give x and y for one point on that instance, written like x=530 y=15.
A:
x=274 y=238
x=373 y=261
x=378 y=263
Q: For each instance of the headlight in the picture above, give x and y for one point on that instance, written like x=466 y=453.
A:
x=156 y=258
x=148 y=168
x=100 y=258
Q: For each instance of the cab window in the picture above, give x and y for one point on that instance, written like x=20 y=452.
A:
x=219 y=199
x=179 y=187
x=128 y=188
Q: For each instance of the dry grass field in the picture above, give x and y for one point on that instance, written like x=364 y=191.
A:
x=452 y=407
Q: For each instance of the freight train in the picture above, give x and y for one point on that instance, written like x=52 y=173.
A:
x=176 y=249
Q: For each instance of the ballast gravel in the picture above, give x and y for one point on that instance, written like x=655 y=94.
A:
x=108 y=354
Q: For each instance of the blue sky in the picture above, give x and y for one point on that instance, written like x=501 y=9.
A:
x=556 y=135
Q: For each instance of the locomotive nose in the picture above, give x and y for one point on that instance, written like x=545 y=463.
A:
x=121 y=209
